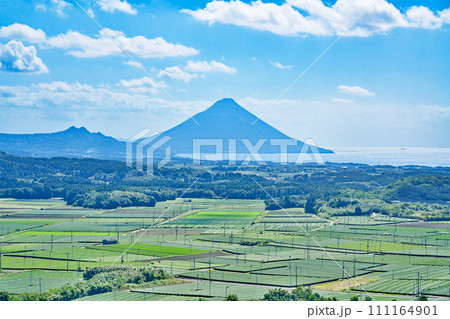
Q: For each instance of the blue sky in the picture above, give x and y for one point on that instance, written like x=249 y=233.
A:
x=384 y=83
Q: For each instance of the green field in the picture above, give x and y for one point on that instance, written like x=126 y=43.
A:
x=215 y=247
x=223 y=215
x=150 y=250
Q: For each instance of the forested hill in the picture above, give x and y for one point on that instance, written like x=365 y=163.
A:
x=330 y=189
x=422 y=188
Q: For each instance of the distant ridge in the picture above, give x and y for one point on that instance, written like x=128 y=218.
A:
x=73 y=142
x=225 y=120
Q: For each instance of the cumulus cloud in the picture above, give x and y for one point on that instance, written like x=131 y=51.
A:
x=424 y=18
x=116 y=5
x=106 y=43
x=192 y=68
x=175 y=72
x=61 y=86
x=57 y=6
x=84 y=46
x=445 y=15
x=354 y=90
x=76 y=95
x=370 y=17
x=302 y=17
x=282 y=20
x=278 y=65
x=142 y=85
x=79 y=98
x=134 y=64
x=15 y=57
x=22 y=32
x=205 y=66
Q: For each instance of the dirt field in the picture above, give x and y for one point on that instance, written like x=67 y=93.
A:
x=344 y=284
x=425 y=225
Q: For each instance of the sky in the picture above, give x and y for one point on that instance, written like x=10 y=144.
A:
x=348 y=73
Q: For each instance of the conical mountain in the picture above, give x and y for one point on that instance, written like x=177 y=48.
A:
x=227 y=121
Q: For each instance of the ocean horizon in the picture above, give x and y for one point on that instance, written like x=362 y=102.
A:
x=394 y=156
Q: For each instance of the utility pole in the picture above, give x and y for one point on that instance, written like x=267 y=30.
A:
x=67 y=254
x=418 y=283
x=290 y=276
x=209 y=271
x=40 y=284
x=197 y=280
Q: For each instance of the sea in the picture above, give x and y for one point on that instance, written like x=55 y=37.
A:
x=394 y=156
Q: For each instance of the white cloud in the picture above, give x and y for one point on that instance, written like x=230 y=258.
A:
x=175 y=72
x=90 y=13
x=280 y=66
x=354 y=90
x=342 y=101
x=300 y=17
x=422 y=17
x=445 y=15
x=15 y=57
x=205 y=66
x=282 y=20
x=57 y=6
x=84 y=46
x=116 y=5
x=22 y=32
x=134 y=64
x=142 y=86
x=186 y=73
x=75 y=96
x=60 y=86
x=374 y=17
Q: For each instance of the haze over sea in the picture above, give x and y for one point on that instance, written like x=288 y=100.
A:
x=390 y=156
x=395 y=156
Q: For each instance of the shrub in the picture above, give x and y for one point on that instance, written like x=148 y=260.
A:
x=232 y=297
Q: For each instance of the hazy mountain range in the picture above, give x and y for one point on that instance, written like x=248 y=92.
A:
x=224 y=121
